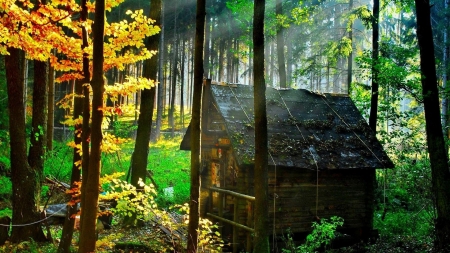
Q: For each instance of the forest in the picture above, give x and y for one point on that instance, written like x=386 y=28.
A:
x=116 y=113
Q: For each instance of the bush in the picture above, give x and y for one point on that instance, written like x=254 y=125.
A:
x=321 y=236
x=6 y=188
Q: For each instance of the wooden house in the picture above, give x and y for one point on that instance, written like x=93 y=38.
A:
x=322 y=161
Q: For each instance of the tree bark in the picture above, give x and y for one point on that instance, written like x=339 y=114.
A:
x=194 y=203
x=160 y=104
x=350 y=55
x=435 y=138
x=261 y=218
x=374 y=98
x=90 y=205
x=280 y=47
x=50 y=108
x=445 y=102
x=25 y=180
x=141 y=149
x=39 y=123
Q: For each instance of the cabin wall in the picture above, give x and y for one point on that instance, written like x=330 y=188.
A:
x=345 y=193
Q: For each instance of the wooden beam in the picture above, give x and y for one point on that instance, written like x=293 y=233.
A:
x=232 y=193
x=231 y=222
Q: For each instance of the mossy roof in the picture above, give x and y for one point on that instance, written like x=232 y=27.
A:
x=305 y=129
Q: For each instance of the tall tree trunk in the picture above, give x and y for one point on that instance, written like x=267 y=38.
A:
x=25 y=180
x=160 y=104
x=375 y=45
x=90 y=204
x=194 y=202
x=39 y=122
x=182 y=80
x=174 y=85
x=78 y=108
x=445 y=102
x=141 y=149
x=207 y=50
x=280 y=47
x=440 y=175
x=50 y=108
x=350 y=55
x=261 y=218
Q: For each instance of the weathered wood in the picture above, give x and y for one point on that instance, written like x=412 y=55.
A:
x=231 y=222
x=234 y=194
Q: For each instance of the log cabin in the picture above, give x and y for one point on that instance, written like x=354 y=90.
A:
x=322 y=161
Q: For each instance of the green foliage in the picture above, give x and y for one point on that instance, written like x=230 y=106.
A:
x=58 y=162
x=29 y=247
x=131 y=201
x=6 y=212
x=141 y=204
x=170 y=167
x=321 y=236
x=6 y=188
x=123 y=129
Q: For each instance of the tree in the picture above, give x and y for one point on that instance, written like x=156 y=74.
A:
x=140 y=154
x=81 y=103
x=435 y=139
x=261 y=239
x=350 y=56
x=91 y=184
x=280 y=46
x=26 y=180
x=375 y=46
x=194 y=202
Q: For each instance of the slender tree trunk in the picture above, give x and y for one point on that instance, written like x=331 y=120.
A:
x=194 y=203
x=207 y=50
x=182 y=80
x=39 y=122
x=141 y=149
x=81 y=135
x=375 y=45
x=160 y=104
x=280 y=47
x=261 y=237
x=220 y=77
x=436 y=145
x=51 y=108
x=445 y=102
x=25 y=181
x=350 y=55
x=174 y=85
x=90 y=205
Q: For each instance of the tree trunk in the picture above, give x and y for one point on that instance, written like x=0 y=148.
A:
x=38 y=138
x=261 y=218
x=90 y=205
x=25 y=181
x=435 y=139
x=194 y=203
x=51 y=108
x=141 y=149
x=375 y=45
x=445 y=102
x=174 y=85
x=182 y=80
x=280 y=47
x=83 y=128
x=207 y=43
x=159 y=106
x=350 y=55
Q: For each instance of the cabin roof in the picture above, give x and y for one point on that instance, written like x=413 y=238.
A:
x=304 y=129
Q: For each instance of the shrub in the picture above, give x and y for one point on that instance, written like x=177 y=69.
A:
x=321 y=236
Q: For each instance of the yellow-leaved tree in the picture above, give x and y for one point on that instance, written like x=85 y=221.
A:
x=53 y=31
